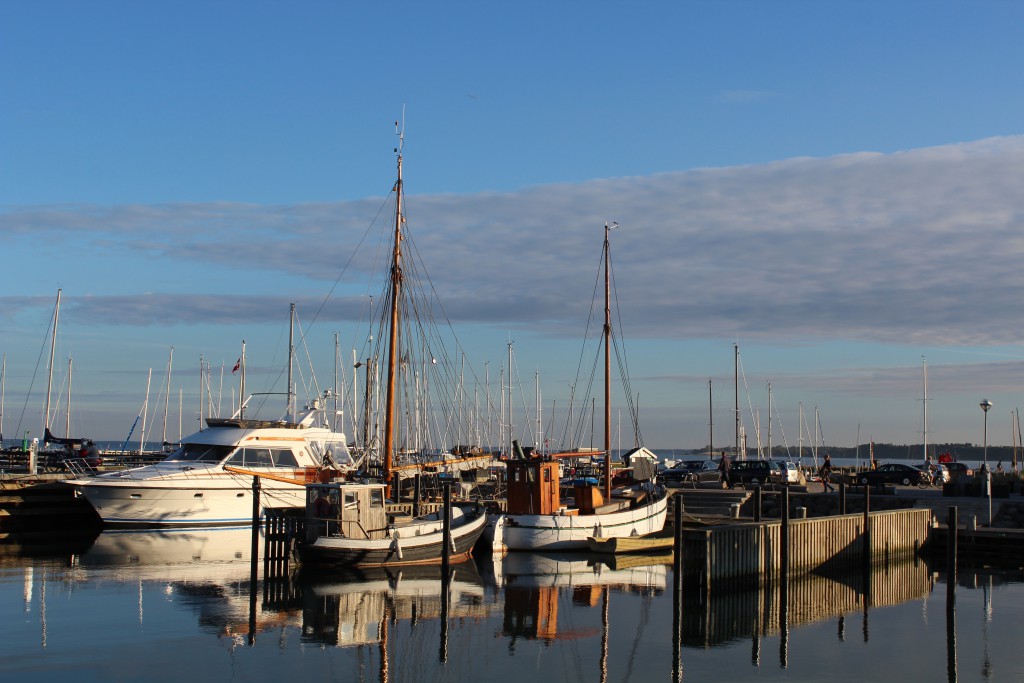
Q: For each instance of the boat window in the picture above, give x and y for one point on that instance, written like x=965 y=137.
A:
x=350 y=500
x=199 y=452
x=377 y=498
x=263 y=457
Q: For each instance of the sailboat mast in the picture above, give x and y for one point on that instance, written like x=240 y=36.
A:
x=291 y=361
x=3 y=377
x=167 y=398
x=607 y=371
x=67 y=423
x=711 y=424
x=396 y=284
x=736 y=392
x=49 y=380
x=924 y=402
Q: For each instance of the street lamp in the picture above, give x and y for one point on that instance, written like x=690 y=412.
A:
x=985 y=405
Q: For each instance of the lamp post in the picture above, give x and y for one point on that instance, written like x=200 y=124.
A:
x=985 y=405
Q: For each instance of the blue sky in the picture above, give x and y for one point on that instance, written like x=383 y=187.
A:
x=832 y=186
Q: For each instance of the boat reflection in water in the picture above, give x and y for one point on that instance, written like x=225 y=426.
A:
x=355 y=607
x=210 y=570
x=597 y=616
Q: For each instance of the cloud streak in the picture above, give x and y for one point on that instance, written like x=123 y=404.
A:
x=922 y=246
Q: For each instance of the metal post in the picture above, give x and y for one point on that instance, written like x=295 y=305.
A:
x=757 y=503
x=842 y=498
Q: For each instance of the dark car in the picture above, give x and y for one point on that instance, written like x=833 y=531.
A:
x=756 y=473
x=691 y=473
x=893 y=473
x=958 y=469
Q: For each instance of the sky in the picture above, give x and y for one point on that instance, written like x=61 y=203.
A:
x=831 y=188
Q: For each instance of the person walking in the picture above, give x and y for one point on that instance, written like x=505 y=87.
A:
x=826 y=473
x=725 y=467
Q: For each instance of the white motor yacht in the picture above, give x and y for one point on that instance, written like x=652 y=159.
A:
x=208 y=481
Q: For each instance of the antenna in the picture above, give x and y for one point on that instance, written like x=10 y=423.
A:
x=400 y=132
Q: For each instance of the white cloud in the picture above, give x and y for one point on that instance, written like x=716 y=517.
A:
x=921 y=246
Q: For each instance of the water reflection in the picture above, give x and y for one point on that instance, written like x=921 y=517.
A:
x=607 y=618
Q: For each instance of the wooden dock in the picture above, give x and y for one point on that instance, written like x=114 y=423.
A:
x=750 y=553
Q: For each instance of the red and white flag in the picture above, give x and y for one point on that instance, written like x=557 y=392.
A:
x=237 y=365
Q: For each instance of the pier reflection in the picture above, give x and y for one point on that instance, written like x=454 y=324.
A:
x=717 y=618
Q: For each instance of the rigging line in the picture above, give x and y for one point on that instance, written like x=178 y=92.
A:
x=781 y=429
x=39 y=360
x=384 y=204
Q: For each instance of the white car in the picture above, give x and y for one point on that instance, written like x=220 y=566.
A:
x=790 y=473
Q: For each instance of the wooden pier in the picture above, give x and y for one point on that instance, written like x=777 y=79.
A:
x=750 y=553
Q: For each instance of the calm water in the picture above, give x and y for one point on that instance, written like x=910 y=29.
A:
x=179 y=607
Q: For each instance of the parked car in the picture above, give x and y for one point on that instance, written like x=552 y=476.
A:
x=691 y=473
x=958 y=469
x=790 y=472
x=893 y=473
x=756 y=473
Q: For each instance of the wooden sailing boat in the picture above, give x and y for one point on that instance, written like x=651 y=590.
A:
x=537 y=518
x=347 y=523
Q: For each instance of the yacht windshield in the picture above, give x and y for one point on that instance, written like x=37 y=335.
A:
x=200 y=452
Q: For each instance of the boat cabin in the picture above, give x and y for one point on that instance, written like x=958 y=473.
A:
x=533 y=489
x=346 y=510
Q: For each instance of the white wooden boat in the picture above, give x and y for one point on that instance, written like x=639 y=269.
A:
x=347 y=525
x=537 y=518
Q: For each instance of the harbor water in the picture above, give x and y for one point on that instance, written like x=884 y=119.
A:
x=182 y=606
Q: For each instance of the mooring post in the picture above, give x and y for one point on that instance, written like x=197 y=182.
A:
x=677 y=589
x=757 y=503
x=842 y=498
x=677 y=538
x=447 y=527
x=784 y=537
x=952 y=522
x=416 y=495
x=253 y=558
x=867 y=522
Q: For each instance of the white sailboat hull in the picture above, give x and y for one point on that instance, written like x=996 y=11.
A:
x=505 y=532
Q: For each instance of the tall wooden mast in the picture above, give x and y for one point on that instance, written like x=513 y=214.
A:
x=396 y=285
x=607 y=369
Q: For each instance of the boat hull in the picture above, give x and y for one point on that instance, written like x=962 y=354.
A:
x=426 y=548
x=507 y=532
x=166 y=503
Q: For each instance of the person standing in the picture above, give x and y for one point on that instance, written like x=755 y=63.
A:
x=725 y=467
x=826 y=473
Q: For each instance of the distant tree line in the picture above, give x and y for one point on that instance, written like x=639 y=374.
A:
x=889 y=451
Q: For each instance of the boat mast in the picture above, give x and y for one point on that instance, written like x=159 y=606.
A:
x=167 y=398
x=145 y=411
x=711 y=424
x=3 y=376
x=241 y=384
x=67 y=422
x=396 y=285
x=49 y=380
x=291 y=361
x=736 y=391
x=511 y=427
x=607 y=368
x=924 y=403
